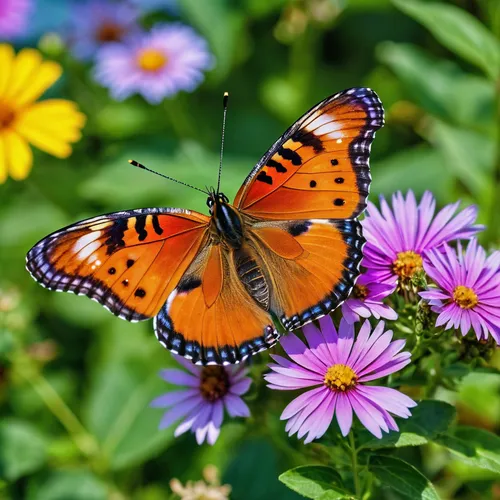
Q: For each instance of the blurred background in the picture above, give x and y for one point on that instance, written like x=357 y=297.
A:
x=75 y=382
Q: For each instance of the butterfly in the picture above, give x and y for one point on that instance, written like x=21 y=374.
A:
x=286 y=251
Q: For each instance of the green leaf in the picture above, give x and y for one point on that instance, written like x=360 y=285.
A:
x=468 y=155
x=221 y=26
x=414 y=168
x=459 y=31
x=476 y=447
x=65 y=484
x=313 y=481
x=428 y=419
x=22 y=449
x=402 y=477
x=440 y=86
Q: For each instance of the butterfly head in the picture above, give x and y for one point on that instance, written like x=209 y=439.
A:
x=215 y=199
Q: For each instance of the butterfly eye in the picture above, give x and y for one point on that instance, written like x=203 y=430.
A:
x=210 y=202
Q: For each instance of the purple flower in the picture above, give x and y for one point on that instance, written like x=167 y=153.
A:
x=200 y=404
x=366 y=300
x=397 y=239
x=96 y=23
x=156 y=65
x=337 y=366
x=468 y=294
x=14 y=17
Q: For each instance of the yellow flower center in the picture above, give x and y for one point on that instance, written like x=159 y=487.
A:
x=151 y=60
x=465 y=297
x=214 y=383
x=7 y=115
x=109 y=32
x=360 y=292
x=407 y=264
x=340 y=378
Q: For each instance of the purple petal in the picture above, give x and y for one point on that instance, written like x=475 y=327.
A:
x=172 y=398
x=179 y=377
x=235 y=406
x=344 y=413
x=195 y=403
x=364 y=415
x=300 y=402
x=241 y=387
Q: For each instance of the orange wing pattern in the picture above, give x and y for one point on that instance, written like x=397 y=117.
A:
x=319 y=168
x=127 y=261
x=209 y=317
x=310 y=265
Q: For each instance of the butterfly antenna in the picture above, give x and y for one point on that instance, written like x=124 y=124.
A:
x=140 y=165
x=224 y=103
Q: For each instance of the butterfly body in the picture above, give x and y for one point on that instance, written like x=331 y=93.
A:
x=287 y=250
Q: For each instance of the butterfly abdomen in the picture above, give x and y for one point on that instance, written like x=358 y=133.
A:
x=253 y=279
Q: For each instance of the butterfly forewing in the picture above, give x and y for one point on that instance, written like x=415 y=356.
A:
x=127 y=261
x=319 y=168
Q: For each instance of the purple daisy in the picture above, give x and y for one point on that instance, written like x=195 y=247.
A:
x=468 y=293
x=337 y=366
x=156 y=65
x=398 y=239
x=96 y=23
x=14 y=17
x=200 y=404
x=366 y=300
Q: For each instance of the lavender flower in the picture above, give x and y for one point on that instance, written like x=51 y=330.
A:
x=337 y=366
x=207 y=391
x=95 y=23
x=14 y=17
x=156 y=65
x=397 y=239
x=468 y=294
x=366 y=300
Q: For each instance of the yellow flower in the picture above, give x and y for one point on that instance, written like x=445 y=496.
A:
x=50 y=125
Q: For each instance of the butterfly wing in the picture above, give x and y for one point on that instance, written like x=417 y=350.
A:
x=319 y=168
x=310 y=265
x=127 y=261
x=210 y=317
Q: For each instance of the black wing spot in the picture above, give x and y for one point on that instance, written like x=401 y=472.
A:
x=308 y=139
x=156 y=225
x=277 y=165
x=140 y=227
x=291 y=155
x=140 y=292
x=313 y=184
x=188 y=284
x=130 y=262
x=334 y=162
x=111 y=270
x=338 y=202
x=263 y=177
x=298 y=228
x=339 y=180
x=115 y=235
x=125 y=282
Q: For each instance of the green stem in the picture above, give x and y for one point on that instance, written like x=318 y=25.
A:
x=354 y=462
x=81 y=437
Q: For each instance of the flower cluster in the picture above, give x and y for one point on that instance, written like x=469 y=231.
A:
x=408 y=254
x=156 y=64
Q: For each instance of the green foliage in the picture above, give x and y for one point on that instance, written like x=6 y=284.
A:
x=315 y=481
x=429 y=419
x=400 y=476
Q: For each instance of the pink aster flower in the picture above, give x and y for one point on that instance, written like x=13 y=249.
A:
x=337 y=366
x=468 y=293
x=206 y=391
x=95 y=23
x=397 y=239
x=366 y=300
x=14 y=17
x=158 y=64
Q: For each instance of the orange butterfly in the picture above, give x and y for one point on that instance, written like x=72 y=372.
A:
x=288 y=248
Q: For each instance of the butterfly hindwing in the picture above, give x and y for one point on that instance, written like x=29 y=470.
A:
x=311 y=265
x=127 y=261
x=319 y=168
x=210 y=317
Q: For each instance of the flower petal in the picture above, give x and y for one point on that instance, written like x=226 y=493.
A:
x=179 y=377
